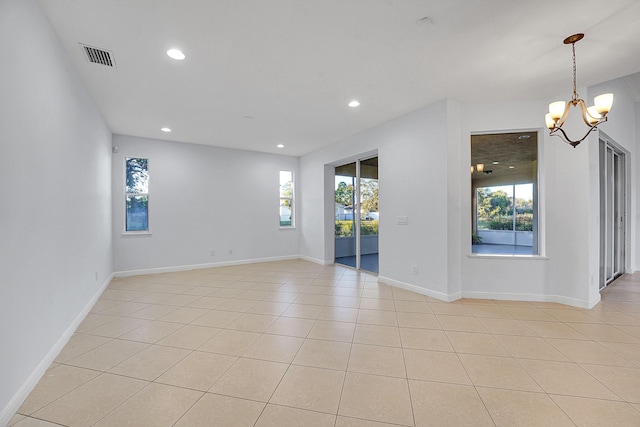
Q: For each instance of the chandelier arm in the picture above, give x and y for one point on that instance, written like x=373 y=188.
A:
x=562 y=119
x=600 y=118
x=585 y=113
x=568 y=140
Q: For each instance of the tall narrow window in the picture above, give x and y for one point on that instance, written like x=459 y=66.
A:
x=136 y=194
x=286 y=199
x=504 y=179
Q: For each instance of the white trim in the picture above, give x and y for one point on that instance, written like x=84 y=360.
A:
x=491 y=295
x=27 y=387
x=136 y=233
x=507 y=256
x=176 y=268
x=503 y=296
x=578 y=303
x=315 y=260
x=420 y=290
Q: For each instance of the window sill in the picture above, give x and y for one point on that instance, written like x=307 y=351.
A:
x=507 y=256
x=289 y=227
x=136 y=233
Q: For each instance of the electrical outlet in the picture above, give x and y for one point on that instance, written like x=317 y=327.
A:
x=230 y=251
x=402 y=220
x=212 y=252
x=415 y=269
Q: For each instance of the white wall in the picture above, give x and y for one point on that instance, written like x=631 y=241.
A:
x=412 y=153
x=55 y=197
x=457 y=217
x=622 y=128
x=635 y=183
x=565 y=216
x=502 y=277
x=424 y=162
x=203 y=198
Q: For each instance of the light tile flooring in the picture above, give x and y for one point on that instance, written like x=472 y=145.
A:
x=293 y=343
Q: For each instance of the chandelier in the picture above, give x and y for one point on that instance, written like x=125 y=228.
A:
x=592 y=116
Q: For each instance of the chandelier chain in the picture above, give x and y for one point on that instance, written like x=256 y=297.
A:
x=575 y=93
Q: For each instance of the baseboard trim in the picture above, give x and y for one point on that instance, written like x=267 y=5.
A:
x=503 y=296
x=419 y=290
x=315 y=260
x=158 y=270
x=577 y=302
x=18 y=399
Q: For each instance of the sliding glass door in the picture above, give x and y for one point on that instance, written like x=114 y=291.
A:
x=356 y=214
x=612 y=213
x=369 y=215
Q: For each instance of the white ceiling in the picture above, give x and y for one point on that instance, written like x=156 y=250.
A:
x=293 y=65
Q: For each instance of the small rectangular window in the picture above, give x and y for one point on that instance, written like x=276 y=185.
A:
x=136 y=194
x=286 y=199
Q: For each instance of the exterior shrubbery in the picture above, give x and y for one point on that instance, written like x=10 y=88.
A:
x=524 y=222
x=367 y=228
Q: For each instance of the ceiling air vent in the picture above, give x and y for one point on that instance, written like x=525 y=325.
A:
x=98 y=56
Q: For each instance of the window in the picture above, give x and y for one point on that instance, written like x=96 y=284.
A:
x=136 y=194
x=286 y=199
x=495 y=207
x=504 y=177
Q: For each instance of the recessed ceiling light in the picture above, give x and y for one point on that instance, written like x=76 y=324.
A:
x=280 y=146
x=166 y=129
x=176 y=54
x=524 y=137
x=495 y=163
x=512 y=167
x=354 y=104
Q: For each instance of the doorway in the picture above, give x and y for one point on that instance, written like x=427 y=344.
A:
x=612 y=212
x=357 y=215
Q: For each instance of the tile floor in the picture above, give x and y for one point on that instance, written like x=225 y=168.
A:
x=293 y=343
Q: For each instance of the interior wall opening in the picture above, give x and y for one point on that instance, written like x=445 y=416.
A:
x=504 y=193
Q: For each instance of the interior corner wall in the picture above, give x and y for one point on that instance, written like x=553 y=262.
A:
x=635 y=184
x=55 y=209
x=412 y=153
x=457 y=236
x=561 y=274
x=203 y=199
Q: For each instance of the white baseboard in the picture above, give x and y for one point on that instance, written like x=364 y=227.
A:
x=419 y=290
x=502 y=296
x=173 y=269
x=315 y=260
x=577 y=302
x=18 y=399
